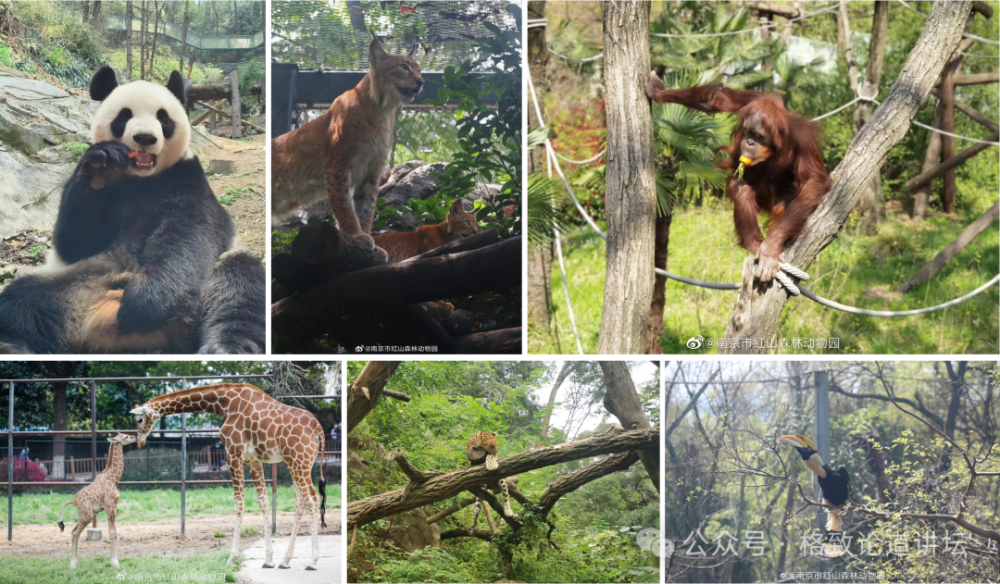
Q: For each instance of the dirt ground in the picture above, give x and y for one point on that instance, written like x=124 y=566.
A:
x=160 y=537
x=249 y=209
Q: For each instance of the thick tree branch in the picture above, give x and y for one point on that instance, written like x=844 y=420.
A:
x=622 y=400
x=869 y=150
x=575 y=480
x=364 y=391
x=450 y=484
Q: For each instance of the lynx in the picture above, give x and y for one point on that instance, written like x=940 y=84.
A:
x=343 y=152
x=406 y=244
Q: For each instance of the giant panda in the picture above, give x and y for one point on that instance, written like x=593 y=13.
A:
x=143 y=255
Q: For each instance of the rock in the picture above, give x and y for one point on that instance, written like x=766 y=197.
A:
x=35 y=119
x=25 y=88
x=418 y=183
x=410 y=531
x=29 y=192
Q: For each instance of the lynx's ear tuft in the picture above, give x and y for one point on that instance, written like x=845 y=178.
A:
x=413 y=51
x=376 y=54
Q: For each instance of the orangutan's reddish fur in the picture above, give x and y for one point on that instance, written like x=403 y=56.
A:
x=787 y=179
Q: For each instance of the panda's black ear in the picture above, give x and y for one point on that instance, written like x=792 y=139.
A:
x=103 y=83
x=176 y=86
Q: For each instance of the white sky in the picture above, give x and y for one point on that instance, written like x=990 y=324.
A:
x=643 y=373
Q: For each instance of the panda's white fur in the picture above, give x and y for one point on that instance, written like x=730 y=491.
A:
x=145 y=99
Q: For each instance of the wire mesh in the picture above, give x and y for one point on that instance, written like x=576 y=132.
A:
x=336 y=35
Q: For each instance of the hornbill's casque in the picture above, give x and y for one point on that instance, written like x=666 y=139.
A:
x=836 y=486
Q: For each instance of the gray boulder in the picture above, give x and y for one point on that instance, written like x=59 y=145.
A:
x=37 y=119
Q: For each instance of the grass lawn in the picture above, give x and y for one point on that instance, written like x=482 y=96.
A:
x=203 y=569
x=153 y=505
x=855 y=270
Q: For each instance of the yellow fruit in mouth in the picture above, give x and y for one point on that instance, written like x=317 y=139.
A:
x=745 y=160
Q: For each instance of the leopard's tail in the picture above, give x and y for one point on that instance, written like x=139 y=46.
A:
x=62 y=513
x=322 y=480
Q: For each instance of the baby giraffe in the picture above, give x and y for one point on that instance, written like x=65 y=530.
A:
x=100 y=495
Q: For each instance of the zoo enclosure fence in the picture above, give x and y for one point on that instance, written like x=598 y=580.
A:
x=93 y=462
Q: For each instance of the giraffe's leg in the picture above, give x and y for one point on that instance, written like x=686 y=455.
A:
x=83 y=523
x=236 y=472
x=257 y=474
x=295 y=527
x=114 y=535
x=310 y=494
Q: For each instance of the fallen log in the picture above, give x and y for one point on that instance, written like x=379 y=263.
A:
x=954 y=248
x=319 y=309
x=228 y=116
x=500 y=341
x=214 y=91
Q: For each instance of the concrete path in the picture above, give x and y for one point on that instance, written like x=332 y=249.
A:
x=328 y=569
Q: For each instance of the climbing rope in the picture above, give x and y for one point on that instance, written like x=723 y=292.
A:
x=717 y=286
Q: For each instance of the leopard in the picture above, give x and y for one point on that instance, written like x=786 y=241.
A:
x=482 y=449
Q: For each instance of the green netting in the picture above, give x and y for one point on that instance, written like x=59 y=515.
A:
x=429 y=135
x=336 y=35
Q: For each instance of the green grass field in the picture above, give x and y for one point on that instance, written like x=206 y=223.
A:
x=208 y=568
x=854 y=270
x=153 y=505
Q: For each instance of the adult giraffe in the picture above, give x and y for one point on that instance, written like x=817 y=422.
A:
x=256 y=429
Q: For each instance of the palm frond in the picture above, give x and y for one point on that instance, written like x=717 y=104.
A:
x=544 y=215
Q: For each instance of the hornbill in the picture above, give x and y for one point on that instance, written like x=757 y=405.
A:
x=836 y=486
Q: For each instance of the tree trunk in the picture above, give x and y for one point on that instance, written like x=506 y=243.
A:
x=184 y=36
x=95 y=13
x=363 y=393
x=872 y=205
x=869 y=150
x=954 y=248
x=59 y=423
x=234 y=101
x=932 y=156
x=622 y=400
x=158 y=9
x=539 y=258
x=659 y=286
x=128 y=38
x=563 y=374
x=86 y=11
x=142 y=39
x=630 y=199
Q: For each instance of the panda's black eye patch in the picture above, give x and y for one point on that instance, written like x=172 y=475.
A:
x=167 y=123
x=120 y=121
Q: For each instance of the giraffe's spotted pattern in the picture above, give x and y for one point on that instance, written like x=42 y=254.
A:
x=100 y=495
x=256 y=429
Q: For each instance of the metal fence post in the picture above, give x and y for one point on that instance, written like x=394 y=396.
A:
x=93 y=434
x=10 y=464
x=183 y=467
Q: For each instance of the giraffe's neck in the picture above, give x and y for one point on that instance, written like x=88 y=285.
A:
x=214 y=400
x=116 y=462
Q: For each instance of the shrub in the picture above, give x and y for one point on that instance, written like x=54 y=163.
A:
x=25 y=471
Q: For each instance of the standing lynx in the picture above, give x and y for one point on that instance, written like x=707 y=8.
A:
x=343 y=152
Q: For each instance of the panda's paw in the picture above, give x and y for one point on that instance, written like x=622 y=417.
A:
x=104 y=163
x=106 y=156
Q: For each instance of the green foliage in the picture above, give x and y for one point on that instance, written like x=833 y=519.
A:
x=429 y=211
x=856 y=270
x=489 y=140
x=98 y=570
x=281 y=242
x=234 y=194
x=545 y=217
x=449 y=401
x=77 y=149
x=249 y=75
